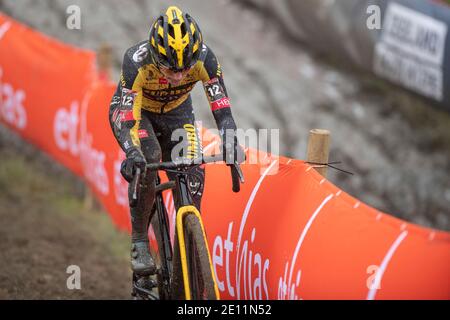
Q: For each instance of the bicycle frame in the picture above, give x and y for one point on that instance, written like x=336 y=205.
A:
x=186 y=207
x=183 y=197
x=166 y=252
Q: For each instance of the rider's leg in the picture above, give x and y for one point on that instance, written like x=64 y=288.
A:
x=179 y=125
x=141 y=260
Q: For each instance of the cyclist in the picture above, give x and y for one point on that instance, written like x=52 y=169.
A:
x=153 y=100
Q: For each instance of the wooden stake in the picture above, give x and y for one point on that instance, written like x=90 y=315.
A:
x=319 y=149
x=104 y=60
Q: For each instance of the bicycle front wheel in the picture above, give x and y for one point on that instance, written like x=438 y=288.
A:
x=201 y=282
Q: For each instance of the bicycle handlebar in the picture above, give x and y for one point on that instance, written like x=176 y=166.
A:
x=237 y=176
x=184 y=163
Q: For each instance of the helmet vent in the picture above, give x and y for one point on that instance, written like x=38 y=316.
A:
x=175 y=17
x=160 y=40
x=171 y=31
x=183 y=30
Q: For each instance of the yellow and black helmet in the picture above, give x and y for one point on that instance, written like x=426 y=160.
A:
x=175 y=40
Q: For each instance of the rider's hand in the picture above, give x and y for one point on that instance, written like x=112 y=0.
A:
x=135 y=159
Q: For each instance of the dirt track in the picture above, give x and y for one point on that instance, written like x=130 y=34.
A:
x=44 y=229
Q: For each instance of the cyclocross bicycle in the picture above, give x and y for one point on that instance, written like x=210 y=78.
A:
x=184 y=270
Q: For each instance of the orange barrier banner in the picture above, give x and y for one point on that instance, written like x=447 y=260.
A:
x=101 y=155
x=42 y=86
x=294 y=235
x=289 y=233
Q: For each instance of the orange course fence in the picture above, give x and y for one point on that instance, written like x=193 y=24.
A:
x=289 y=233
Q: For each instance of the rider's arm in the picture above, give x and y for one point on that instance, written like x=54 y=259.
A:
x=127 y=117
x=216 y=92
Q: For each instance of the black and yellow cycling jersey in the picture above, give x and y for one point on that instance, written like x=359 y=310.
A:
x=142 y=86
x=155 y=94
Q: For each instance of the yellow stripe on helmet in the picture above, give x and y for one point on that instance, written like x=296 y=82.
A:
x=161 y=31
x=177 y=42
x=162 y=50
x=195 y=47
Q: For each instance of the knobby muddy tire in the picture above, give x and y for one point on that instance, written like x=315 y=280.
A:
x=196 y=251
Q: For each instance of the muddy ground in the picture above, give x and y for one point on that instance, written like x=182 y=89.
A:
x=45 y=228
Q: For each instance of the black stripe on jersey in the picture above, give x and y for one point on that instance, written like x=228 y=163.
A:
x=129 y=72
x=169 y=94
x=213 y=68
x=134 y=58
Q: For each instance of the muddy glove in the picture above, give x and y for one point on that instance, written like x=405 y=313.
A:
x=135 y=159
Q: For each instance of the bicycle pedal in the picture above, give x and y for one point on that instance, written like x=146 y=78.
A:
x=146 y=283
x=153 y=283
